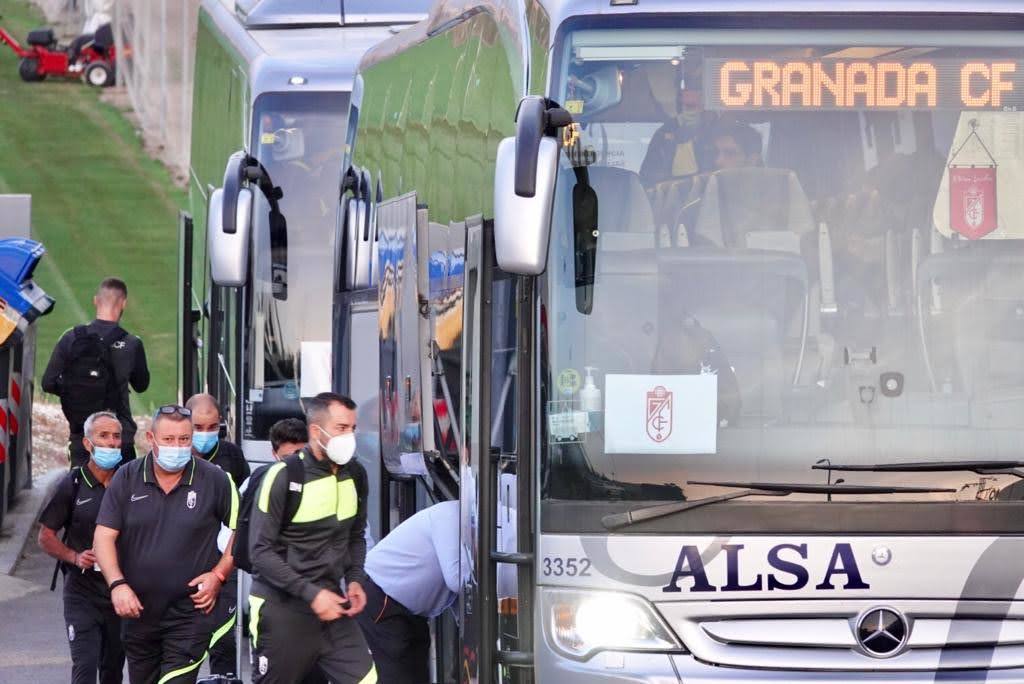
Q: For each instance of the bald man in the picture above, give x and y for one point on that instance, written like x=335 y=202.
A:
x=92 y=367
x=206 y=441
x=207 y=445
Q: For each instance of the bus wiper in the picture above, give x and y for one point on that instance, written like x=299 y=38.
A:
x=618 y=520
x=979 y=467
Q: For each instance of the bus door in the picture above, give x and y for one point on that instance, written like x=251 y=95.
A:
x=496 y=474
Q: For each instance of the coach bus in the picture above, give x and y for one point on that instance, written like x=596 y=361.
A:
x=272 y=88
x=712 y=313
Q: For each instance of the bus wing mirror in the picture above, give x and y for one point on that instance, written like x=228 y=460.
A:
x=230 y=224
x=522 y=224
x=524 y=186
x=229 y=251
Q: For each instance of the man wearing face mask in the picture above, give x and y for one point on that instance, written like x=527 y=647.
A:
x=298 y=618
x=206 y=444
x=156 y=543
x=206 y=441
x=94 y=629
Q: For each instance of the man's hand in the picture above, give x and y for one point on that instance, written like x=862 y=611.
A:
x=356 y=599
x=327 y=605
x=209 y=587
x=86 y=559
x=126 y=603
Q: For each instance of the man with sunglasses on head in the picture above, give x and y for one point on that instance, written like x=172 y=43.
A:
x=156 y=543
x=302 y=550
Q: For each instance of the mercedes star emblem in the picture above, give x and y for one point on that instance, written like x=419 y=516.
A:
x=882 y=632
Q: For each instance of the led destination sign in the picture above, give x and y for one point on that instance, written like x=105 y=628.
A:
x=859 y=84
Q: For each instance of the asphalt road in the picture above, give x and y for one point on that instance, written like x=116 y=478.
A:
x=32 y=632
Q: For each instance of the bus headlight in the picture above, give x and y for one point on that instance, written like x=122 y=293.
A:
x=581 y=623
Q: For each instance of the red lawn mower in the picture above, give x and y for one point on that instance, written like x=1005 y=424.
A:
x=91 y=56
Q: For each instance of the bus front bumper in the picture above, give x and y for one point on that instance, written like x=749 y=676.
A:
x=655 y=668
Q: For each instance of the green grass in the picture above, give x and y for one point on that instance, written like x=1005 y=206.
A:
x=100 y=205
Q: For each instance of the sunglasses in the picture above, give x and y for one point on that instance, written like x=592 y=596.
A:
x=171 y=409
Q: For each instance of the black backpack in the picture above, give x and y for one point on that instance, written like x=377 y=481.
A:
x=89 y=383
x=296 y=478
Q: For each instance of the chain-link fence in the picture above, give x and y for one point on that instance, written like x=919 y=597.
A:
x=155 y=46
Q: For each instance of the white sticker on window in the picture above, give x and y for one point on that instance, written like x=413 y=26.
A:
x=657 y=414
x=315 y=368
x=566 y=424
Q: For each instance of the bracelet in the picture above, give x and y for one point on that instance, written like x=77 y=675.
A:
x=219 y=575
x=117 y=583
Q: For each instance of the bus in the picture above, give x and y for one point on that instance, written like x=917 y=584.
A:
x=273 y=81
x=712 y=316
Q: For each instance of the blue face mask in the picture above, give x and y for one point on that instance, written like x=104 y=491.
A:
x=173 y=459
x=106 y=458
x=203 y=442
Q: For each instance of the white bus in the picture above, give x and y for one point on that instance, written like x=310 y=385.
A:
x=272 y=88
x=712 y=315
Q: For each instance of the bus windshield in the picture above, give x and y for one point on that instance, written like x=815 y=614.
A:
x=300 y=139
x=790 y=263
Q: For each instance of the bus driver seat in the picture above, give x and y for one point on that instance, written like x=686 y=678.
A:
x=754 y=208
x=754 y=313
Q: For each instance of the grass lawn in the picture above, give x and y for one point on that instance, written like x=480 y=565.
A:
x=100 y=205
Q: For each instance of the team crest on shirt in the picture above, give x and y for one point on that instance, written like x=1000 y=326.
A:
x=71 y=632
x=190 y=501
x=264 y=665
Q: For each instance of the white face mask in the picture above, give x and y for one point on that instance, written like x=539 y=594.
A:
x=340 y=448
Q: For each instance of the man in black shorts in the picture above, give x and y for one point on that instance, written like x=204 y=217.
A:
x=94 y=629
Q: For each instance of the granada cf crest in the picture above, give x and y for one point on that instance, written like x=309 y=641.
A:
x=659 y=414
x=973 y=206
x=972 y=194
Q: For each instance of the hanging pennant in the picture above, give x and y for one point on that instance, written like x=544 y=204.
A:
x=973 y=207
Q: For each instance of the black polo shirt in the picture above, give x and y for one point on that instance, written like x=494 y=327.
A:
x=166 y=540
x=229 y=458
x=76 y=512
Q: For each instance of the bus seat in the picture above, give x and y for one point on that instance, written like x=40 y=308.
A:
x=740 y=202
x=622 y=205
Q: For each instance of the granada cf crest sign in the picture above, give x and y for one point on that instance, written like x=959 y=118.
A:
x=659 y=414
x=972 y=190
x=972 y=196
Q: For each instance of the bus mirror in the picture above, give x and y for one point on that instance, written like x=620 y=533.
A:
x=229 y=251
x=522 y=223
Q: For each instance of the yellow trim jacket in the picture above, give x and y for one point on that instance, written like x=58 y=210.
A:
x=322 y=543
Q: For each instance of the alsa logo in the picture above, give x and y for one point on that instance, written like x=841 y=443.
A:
x=788 y=562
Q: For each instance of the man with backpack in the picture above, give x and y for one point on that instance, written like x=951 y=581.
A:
x=93 y=628
x=305 y=537
x=92 y=367
x=287 y=436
